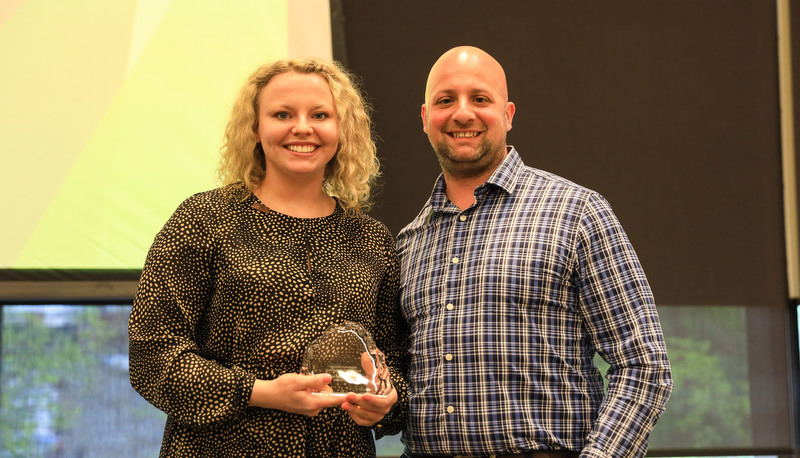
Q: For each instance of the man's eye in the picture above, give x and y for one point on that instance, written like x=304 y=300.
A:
x=481 y=99
x=445 y=101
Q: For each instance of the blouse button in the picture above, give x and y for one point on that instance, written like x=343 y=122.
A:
x=455 y=260
x=450 y=409
x=462 y=217
x=449 y=306
x=448 y=357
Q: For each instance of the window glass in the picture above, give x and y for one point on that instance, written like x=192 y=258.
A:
x=65 y=389
x=64 y=385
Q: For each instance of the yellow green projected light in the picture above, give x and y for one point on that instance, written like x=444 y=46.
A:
x=112 y=113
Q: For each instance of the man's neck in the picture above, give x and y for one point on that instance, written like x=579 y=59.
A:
x=461 y=191
x=460 y=187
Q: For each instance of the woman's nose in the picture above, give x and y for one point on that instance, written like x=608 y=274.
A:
x=302 y=126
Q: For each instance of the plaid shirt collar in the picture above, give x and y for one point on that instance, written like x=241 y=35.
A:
x=505 y=178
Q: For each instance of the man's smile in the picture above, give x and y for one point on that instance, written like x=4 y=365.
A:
x=463 y=134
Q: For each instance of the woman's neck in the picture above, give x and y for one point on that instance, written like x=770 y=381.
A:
x=306 y=200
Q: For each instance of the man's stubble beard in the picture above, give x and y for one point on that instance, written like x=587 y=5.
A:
x=485 y=157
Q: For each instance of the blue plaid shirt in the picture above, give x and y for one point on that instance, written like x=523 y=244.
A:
x=508 y=301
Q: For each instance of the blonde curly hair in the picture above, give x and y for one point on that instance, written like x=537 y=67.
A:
x=349 y=176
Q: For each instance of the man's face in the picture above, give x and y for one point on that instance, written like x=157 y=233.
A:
x=466 y=114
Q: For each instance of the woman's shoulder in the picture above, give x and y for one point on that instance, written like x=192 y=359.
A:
x=229 y=194
x=208 y=208
x=370 y=226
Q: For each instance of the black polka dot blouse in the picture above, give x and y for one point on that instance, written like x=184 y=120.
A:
x=232 y=292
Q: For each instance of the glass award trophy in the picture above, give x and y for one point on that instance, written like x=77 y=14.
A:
x=348 y=353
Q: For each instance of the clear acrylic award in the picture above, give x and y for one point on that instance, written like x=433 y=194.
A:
x=348 y=352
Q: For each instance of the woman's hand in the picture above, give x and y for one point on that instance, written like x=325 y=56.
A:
x=293 y=393
x=368 y=409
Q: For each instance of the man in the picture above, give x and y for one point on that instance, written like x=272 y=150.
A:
x=512 y=279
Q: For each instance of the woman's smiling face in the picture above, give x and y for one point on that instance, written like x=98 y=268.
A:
x=297 y=125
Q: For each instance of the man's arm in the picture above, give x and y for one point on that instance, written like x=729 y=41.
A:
x=620 y=313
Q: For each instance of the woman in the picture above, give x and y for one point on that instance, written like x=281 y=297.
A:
x=243 y=278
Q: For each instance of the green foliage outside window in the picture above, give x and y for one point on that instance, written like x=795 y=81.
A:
x=64 y=383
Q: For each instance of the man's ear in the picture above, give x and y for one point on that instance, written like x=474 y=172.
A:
x=424 y=119
x=510 y=110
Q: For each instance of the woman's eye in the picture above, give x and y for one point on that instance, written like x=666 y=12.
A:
x=320 y=115
x=282 y=115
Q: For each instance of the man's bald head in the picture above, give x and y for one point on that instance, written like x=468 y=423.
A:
x=469 y=59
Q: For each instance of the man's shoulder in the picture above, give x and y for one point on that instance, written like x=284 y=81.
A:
x=421 y=219
x=526 y=177
x=544 y=181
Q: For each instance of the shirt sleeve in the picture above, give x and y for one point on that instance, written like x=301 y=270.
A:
x=620 y=313
x=391 y=337
x=167 y=321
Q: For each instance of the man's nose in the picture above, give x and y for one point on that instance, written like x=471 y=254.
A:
x=464 y=113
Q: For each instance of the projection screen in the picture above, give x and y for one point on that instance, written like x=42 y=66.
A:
x=112 y=113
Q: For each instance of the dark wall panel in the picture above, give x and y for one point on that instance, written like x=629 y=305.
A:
x=669 y=109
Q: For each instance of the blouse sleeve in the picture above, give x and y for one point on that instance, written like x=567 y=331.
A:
x=166 y=326
x=391 y=337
